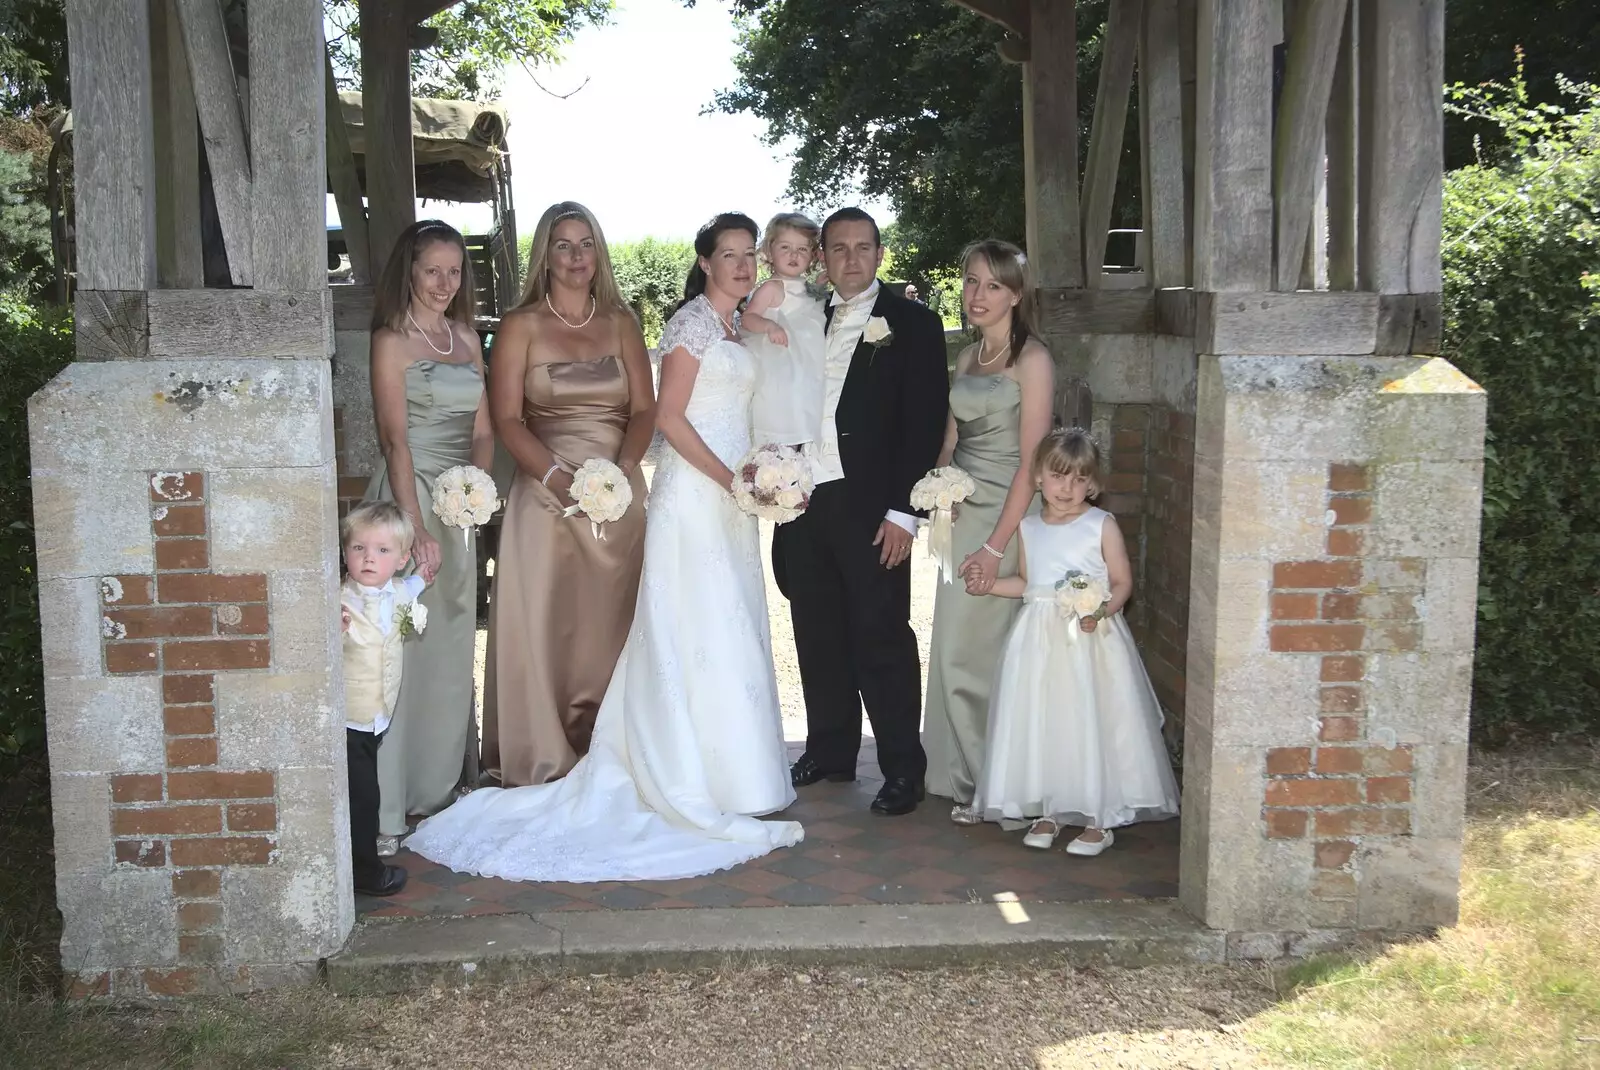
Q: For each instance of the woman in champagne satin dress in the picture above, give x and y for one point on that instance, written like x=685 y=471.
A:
x=569 y=381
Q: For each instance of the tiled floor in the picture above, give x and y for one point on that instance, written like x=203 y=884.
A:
x=850 y=856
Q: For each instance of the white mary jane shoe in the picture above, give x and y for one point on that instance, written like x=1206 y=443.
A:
x=1090 y=848
x=962 y=814
x=1041 y=840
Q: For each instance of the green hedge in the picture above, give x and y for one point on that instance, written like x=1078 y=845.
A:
x=34 y=346
x=1520 y=258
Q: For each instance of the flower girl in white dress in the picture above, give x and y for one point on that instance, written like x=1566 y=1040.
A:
x=785 y=328
x=1074 y=726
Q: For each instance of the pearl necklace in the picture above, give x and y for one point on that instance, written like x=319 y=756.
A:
x=985 y=363
x=593 y=305
x=425 y=338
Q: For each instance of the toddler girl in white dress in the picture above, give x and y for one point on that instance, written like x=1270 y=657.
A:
x=785 y=328
x=1074 y=726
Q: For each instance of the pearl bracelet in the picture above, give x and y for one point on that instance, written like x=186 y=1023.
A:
x=548 y=473
x=993 y=551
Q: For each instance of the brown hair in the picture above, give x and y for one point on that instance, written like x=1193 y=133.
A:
x=391 y=300
x=603 y=288
x=1009 y=267
x=788 y=221
x=378 y=514
x=1069 y=451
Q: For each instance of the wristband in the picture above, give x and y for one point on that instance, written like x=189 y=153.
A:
x=993 y=551
x=548 y=473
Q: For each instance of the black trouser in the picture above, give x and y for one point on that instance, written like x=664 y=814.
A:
x=361 y=753
x=853 y=637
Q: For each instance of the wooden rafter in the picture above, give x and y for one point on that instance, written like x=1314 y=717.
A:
x=1165 y=201
x=1341 y=145
x=1050 y=144
x=287 y=145
x=1011 y=14
x=1118 y=49
x=216 y=97
x=1302 y=125
x=344 y=180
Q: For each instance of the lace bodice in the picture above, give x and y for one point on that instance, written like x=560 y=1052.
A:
x=719 y=406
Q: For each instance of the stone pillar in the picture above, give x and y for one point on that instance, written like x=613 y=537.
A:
x=1333 y=600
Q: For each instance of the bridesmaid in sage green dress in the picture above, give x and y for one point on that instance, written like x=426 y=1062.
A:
x=1000 y=408
x=428 y=397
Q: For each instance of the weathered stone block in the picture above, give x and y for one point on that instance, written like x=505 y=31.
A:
x=1439 y=790
x=90 y=521
x=102 y=724
x=1271 y=510
x=305 y=620
x=1119 y=368
x=1229 y=607
x=1450 y=606
x=70 y=624
x=268 y=721
x=263 y=519
x=1174 y=371
x=1420 y=698
x=1427 y=509
x=1408 y=882
x=352 y=394
x=1266 y=700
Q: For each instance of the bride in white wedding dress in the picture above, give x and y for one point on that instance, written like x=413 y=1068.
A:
x=688 y=745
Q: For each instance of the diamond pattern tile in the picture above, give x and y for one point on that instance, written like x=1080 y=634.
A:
x=850 y=856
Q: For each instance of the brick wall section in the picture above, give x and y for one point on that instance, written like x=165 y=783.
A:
x=1124 y=496
x=188 y=817
x=1347 y=786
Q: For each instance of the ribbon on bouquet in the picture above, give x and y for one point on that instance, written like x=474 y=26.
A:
x=594 y=525
x=941 y=542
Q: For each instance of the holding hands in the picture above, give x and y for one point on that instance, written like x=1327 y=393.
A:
x=425 y=549
x=980 y=569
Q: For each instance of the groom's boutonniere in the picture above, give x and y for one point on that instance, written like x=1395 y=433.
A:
x=877 y=333
x=410 y=618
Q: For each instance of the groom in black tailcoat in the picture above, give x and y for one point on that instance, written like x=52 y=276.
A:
x=843 y=564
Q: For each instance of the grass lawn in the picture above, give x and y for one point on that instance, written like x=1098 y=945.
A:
x=1515 y=985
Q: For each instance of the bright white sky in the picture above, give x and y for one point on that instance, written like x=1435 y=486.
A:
x=632 y=144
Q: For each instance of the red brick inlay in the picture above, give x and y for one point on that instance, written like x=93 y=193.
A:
x=1345 y=787
x=188 y=623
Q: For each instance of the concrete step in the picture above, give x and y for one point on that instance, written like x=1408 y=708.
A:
x=399 y=954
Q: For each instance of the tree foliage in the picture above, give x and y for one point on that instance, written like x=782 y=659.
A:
x=477 y=39
x=33 y=55
x=1521 y=282
x=24 y=221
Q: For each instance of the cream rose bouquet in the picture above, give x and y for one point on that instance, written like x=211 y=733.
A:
x=1080 y=595
x=465 y=497
x=602 y=492
x=773 y=483
x=937 y=494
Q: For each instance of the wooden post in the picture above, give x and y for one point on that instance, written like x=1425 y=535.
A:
x=108 y=46
x=386 y=114
x=1233 y=146
x=1161 y=137
x=1402 y=144
x=1302 y=120
x=289 y=206
x=345 y=182
x=1050 y=144
x=177 y=153
x=216 y=97
x=1119 y=48
x=1341 y=131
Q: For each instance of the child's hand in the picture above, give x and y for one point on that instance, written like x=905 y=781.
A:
x=344 y=618
x=777 y=335
x=1088 y=624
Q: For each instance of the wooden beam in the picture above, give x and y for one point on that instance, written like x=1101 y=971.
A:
x=1402 y=142
x=1074 y=311
x=1012 y=14
x=1409 y=324
x=1302 y=123
x=261 y=324
x=288 y=145
x=344 y=180
x=352 y=308
x=222 y=124
x=1305 y=323
x=1175 y=312
x=1233 y=146
x=1119 y=47
x=386 y=118
x=1341 y=133
x=1165 y=200
x=1050 y=144
x=1188 y=78
x=177 y=153
x=110 y=324
x=422 y=10
x=108 y=46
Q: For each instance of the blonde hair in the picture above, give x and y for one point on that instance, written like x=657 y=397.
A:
x=1009 y=267
x=391 y=299
x=378 y=514
x=788 y=221
x=604 y=286
x=1069 y=451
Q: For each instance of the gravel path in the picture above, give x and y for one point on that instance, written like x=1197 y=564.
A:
x=753 y=1018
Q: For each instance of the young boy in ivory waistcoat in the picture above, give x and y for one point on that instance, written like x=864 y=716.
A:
x=377 y=612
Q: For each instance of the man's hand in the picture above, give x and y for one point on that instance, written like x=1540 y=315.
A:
x=894 y=544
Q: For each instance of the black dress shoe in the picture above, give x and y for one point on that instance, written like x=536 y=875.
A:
x=900 y=795
x=394 y=879
x=806 y=771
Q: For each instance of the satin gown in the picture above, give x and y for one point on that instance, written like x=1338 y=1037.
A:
x=562 y=599
x=420 y=760
x=968 y=631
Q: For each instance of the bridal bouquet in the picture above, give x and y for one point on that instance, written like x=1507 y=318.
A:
x=773 y=483
x=938 y=493
x=465 y=497
x=602 y=492
x=410 y=618
x=1079 y=595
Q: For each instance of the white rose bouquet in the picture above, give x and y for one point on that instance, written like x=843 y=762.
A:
x=938 y=493
x=773 y=483
x=602 y=492
x=410 y=618
x=1080 y=595
x=465 y=497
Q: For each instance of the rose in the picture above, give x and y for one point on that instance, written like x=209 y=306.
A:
x=790 y=499
x=768 y=478
x=877 y=333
